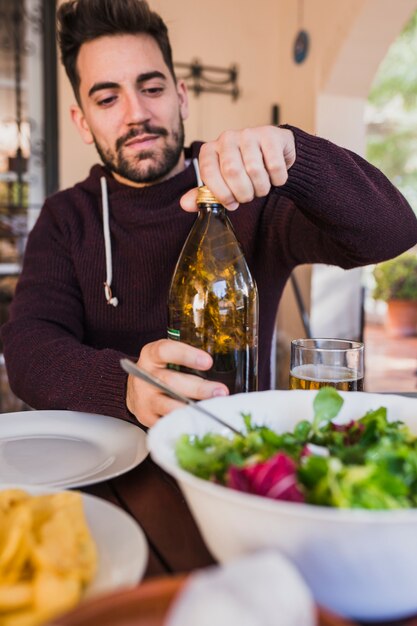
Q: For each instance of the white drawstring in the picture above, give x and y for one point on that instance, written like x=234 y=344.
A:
x=106 y=232
x=107 y=244
x=197 y=173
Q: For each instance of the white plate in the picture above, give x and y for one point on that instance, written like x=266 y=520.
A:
x=67 y=448
x=121 y=544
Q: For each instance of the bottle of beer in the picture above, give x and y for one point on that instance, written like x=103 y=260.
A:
x=213 y=299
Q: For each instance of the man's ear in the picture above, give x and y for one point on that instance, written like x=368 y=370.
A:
x=79 y=120
x=183 y=98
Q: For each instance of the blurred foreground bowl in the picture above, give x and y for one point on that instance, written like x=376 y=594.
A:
x=149 y=604
x=358 y=563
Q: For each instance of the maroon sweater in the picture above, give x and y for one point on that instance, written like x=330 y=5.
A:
x=63 y=342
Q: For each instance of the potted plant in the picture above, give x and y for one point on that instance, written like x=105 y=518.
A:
x=396 y=283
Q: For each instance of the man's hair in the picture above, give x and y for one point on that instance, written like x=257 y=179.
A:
x=80 y=21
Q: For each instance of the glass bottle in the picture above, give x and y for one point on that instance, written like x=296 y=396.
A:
x=213 y=299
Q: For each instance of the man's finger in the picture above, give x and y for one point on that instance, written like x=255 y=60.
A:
x=278 y=149
x=189 y=201
x=159 y=353
x=216 y=159
x=193 y=386
x=253 y=161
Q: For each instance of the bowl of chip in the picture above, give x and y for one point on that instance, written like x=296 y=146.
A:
x=328 y=478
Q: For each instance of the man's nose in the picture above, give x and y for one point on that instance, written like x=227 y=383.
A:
x=136 y=109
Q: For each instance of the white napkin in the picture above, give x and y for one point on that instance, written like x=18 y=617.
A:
x=262 y=589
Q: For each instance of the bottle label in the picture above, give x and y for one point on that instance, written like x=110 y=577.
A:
x=174 y=334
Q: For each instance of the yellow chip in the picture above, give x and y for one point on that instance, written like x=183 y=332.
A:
x=64 y=543
x=55 y=594
x=14 y=530
x=11 y=497
x=22 y=618
x=47 y=556
x=13 y=597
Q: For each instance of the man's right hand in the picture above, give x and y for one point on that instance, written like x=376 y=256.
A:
x=147 y=403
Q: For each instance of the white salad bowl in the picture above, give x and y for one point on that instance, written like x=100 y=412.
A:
x=361 y=564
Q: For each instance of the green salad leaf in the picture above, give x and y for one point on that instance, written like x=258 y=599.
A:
x=367 y=463
x=327 y=405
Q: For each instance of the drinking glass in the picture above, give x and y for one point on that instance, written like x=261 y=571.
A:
x=319 y=363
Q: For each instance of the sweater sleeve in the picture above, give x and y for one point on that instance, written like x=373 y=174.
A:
x=48 y=365
x=348 y=212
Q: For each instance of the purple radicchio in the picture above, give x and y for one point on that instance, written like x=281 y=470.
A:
x=275 y=478
x=352 y=431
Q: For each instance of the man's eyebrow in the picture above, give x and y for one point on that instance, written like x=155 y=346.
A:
x=100 y=86
x=149 y=75
x=142 y=78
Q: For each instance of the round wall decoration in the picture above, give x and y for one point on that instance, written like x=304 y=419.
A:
x=301 y=46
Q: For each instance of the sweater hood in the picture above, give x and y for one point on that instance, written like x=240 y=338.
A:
x=125 y=198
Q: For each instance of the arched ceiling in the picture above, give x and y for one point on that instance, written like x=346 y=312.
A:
x=376 y=26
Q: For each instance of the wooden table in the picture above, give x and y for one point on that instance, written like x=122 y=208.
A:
x=156 y=502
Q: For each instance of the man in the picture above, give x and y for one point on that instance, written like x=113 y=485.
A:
x=301 y=199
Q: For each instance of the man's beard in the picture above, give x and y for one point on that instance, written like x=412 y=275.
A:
x=133 y=168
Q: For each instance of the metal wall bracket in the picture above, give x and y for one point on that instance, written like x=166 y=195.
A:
x=207 y=78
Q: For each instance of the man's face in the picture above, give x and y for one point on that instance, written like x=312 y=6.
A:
x=131 y=108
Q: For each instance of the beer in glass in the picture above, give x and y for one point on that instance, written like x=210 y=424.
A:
x=317 y=363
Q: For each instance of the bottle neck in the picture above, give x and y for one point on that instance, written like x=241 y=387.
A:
x=214 y=209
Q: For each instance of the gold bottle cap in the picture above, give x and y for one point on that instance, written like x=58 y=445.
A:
x=205 y=196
